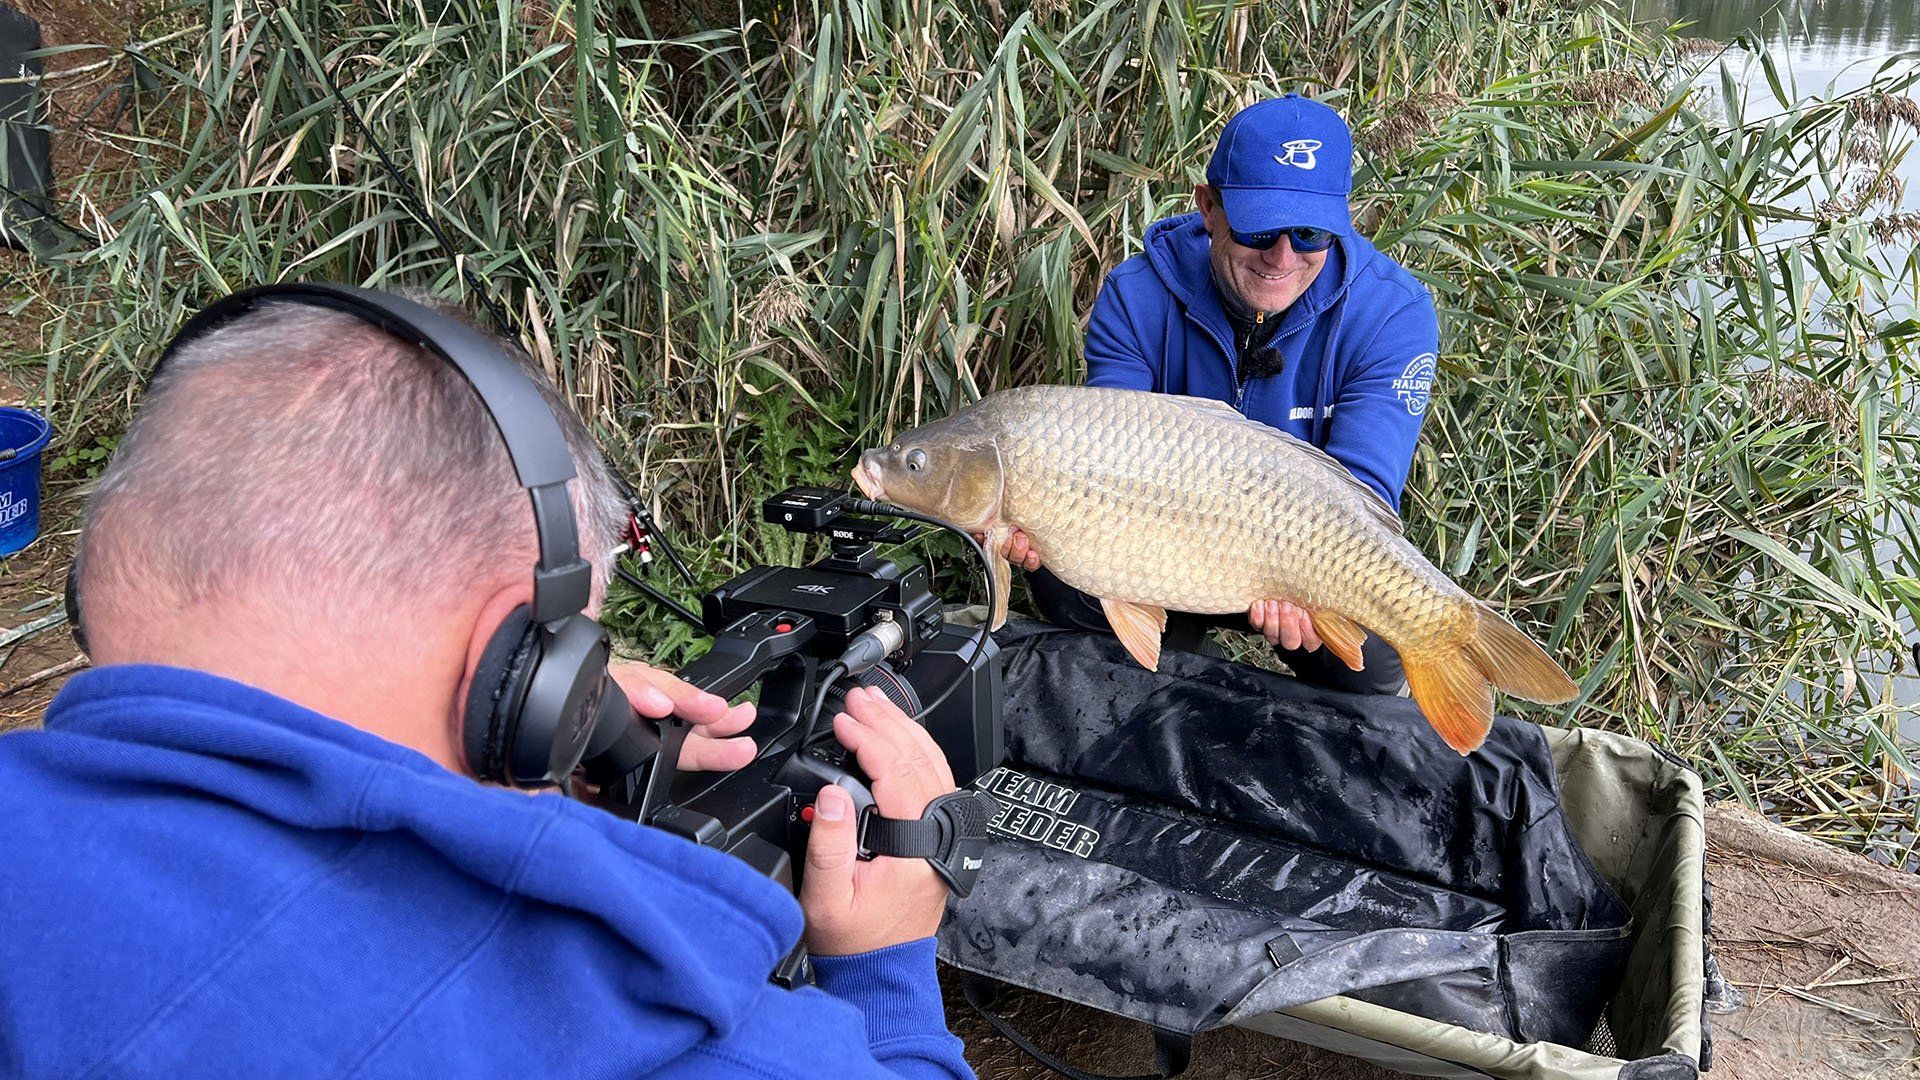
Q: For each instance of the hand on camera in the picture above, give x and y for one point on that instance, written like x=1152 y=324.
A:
x=853 y=906
x=657 y=694
x=1019 y=550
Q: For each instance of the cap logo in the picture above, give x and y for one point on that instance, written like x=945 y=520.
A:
x=1299 y=153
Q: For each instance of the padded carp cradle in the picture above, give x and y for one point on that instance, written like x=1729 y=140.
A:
x=1214 y=844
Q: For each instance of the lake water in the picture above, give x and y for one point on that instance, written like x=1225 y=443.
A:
x=1822 y=48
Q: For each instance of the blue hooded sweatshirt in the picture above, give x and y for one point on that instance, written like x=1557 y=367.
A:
x=1359 y=346
x=201 y=878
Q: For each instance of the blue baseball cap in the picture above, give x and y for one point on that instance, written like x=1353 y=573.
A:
x=1284 y=163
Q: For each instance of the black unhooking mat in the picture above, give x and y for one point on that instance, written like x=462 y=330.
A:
x=1212 y=841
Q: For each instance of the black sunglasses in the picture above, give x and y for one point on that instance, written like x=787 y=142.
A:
x=1305 y=239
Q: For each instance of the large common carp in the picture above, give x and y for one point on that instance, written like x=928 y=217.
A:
x=1154 y=502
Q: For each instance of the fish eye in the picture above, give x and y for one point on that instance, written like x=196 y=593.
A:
x=916 y=460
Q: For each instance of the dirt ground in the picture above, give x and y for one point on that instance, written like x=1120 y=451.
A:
x=1824 y=946
x=78 y=108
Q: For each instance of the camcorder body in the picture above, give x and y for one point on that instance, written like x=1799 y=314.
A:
x=805 y=636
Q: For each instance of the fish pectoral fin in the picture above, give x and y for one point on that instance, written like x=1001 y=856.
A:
x=997 y=539
x=1341 y=635
x=1139 y=627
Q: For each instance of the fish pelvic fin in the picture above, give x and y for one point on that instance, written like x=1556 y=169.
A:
x=1341 y=635
x=1513 y=662
x=1139 y=627
x=1454 y=685
x=997 y=539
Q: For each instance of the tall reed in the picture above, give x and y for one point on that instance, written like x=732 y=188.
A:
x=1673 y=429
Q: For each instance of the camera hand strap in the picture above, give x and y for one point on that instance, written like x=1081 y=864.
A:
x=951 y=834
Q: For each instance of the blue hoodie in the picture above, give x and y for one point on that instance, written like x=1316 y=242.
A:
x=1360 y=347
x=201 y=878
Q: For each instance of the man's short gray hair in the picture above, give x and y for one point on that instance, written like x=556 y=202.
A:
x=300 y=450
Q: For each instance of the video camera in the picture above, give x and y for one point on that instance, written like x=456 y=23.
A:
x=805 y=636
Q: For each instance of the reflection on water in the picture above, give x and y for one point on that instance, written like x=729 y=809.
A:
x=1836 y=31
x=1824 y=48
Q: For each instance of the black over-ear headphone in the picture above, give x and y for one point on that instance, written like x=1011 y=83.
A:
x=541 y=692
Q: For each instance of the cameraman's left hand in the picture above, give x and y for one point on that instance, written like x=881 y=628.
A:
x=657 y=694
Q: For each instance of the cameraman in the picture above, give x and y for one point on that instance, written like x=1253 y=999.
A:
x=248 y=843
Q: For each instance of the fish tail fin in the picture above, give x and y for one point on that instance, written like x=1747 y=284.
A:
x=1453 y=695
x=1513 y=662
x=1453 y=685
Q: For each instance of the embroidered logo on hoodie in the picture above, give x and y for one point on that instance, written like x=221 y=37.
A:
x=1415 y=384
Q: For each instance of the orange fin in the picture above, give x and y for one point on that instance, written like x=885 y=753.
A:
x=1341 y=635
x=1511 y=661
x=1139 y=627
x=1454 y=687
x=996 y=545
x=1453 y=695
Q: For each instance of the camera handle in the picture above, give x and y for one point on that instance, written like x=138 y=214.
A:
x=748 y=649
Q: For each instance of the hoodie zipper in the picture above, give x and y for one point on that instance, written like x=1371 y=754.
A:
x=1240 y=384
x=1233 y=360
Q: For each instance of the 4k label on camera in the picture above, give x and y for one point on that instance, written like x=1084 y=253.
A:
x=1034 y=809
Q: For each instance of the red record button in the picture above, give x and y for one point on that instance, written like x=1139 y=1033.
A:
x=806 y=814
x=783 y=628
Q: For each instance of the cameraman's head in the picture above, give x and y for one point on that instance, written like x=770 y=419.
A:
x=310 y=505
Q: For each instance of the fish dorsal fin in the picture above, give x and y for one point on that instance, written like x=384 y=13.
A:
x=1319 y=458
x=1205 y=403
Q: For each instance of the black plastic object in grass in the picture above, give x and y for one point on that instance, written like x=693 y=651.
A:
x=26 y=168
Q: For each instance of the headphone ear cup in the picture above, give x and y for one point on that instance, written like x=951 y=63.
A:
x=496 y=693
x=560 y=706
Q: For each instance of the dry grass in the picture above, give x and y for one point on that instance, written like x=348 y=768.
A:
x=750 y=251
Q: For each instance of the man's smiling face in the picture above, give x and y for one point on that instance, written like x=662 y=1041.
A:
x=1269 y=280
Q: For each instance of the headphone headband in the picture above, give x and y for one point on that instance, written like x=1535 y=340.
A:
x=562 y=580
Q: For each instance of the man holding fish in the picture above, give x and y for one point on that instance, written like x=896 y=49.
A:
x=1287 y=365
x=1267 y=299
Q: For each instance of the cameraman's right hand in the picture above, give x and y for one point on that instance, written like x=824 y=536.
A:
x=853 y=906
x=1019 y=550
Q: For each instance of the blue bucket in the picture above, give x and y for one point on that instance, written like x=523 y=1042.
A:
x=23 y=434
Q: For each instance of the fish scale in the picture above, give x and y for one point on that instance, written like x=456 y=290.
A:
x=1157 y=502
x=1207 y=518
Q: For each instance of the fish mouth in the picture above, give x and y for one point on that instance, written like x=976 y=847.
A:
x=868 y=480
